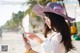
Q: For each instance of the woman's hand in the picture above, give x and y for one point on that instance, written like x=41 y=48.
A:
x=34 y=37
x=27 y=46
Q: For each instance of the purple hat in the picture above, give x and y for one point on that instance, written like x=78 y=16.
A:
x=51 y=7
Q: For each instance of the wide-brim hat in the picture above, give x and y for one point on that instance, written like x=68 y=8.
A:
x=51 y=7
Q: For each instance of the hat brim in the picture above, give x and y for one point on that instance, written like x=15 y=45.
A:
x=39 y=11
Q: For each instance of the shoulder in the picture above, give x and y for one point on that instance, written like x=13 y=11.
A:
x=56 y=37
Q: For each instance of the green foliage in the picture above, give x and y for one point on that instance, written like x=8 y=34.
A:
x=78 y=27
x=15 y=21
x=17 y=17
x=32 y=3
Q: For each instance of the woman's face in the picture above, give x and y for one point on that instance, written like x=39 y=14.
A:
x=47 y=21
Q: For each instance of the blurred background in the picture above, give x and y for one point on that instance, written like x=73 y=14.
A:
x=17 y=13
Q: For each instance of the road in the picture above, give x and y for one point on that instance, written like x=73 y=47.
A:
x=14 y=42
x=16 y=45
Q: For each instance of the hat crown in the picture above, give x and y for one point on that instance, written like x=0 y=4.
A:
x=53 y=5
x=57 y=7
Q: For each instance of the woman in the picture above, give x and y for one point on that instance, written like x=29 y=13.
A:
x=57 y=32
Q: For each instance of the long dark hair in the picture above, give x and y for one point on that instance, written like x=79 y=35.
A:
x=58 y=22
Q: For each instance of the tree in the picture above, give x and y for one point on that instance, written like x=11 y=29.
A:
x=18 y=18
x=15 y=21
x=33 y=2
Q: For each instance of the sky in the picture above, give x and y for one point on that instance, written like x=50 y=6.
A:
x=7 y=7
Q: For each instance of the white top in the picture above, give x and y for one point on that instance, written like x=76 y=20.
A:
x=52 y=44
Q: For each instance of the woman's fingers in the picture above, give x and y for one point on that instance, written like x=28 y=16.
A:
x=31 y=35
x=34 y=37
